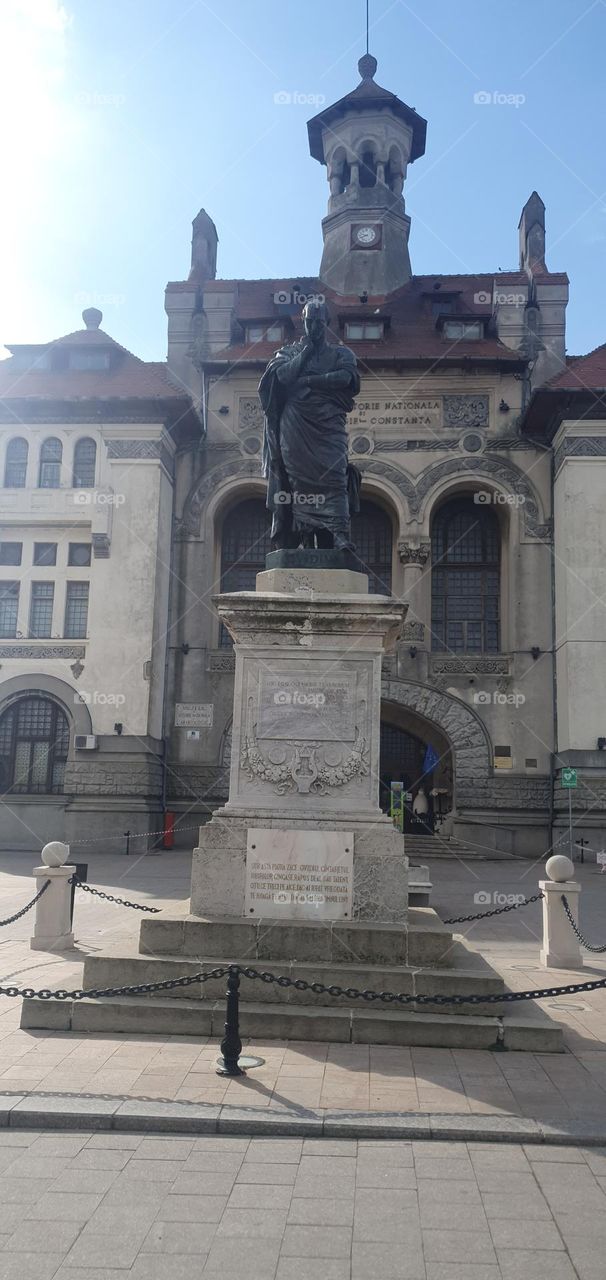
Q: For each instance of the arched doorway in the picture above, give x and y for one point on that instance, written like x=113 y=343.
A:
x=415 y=753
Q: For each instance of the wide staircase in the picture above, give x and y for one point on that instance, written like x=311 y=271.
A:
x=436 y=846
x=418 y=959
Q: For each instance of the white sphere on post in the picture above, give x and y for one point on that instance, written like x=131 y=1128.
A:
x=559 y=868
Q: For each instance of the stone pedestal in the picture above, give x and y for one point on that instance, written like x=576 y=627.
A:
x=561 y=949
x=305 y=748
x=52 y=928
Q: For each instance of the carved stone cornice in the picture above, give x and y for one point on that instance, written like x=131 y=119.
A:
x=467 y=666
x=42 y=651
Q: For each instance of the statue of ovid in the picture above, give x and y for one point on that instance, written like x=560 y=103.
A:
x=307 y=390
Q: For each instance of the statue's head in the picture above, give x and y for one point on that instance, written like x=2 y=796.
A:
x=315 y=320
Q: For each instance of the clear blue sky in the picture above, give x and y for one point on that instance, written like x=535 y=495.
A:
x=123 y=117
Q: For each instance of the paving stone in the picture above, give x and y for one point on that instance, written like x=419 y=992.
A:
x=386 y=1260
x=334 y=1213
x=498 y=1204
x=29 y=1166
x=520 y=1233
x=223 y=1143
x=89 y=1273
x=520 y=1264
x=313 y=1185
x=541 y=1153
x=458 y=1246
x=224 y=1261
x=151 y=1171
x=327 y=1147
x=313 y=1269
x=331 y=1166
x=249 y=1196
x=266 y=1223
x=11 y=1215
x=59 y=1144
x=166 y=1148
x=385 y=1215
x=203 y=1184
x=23 y=1190
x=274 y=1174
x=586 y=1257
x=105 y=1250
x=316 y=1242
x=460 y=1169
x=212 y=1162
x=282 y=1151
x=438 y=1216
x=465 y=1271
x=53 y=1237
x=29 y=1266
x=180 y=1237
x=192 y=1208
x=394 y=1177
x=115 y=1141
x=152 y=1266
x=458 y=1196
x=92 y=1158
x=86 y=1180
x=63 y=1207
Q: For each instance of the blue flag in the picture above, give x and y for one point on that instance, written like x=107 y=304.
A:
x=431 y=760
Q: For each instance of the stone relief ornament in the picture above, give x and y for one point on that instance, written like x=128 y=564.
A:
x=414 y=631
x=470 y=666
x=308 y=769
x=250 y=414
x=414 y=553
x=466 y=411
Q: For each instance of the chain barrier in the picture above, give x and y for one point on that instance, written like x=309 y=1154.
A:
x=136 y=835
x=576 y=929
x=22 y=912
x=109 y=897
x=497 y=911
x=300 y=984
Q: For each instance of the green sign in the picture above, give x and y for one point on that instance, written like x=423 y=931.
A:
x=569 y=778
x=396 y=808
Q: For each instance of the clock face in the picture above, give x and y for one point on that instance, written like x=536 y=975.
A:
x=366 y=235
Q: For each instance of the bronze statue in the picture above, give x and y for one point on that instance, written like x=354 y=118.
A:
x=307 y=390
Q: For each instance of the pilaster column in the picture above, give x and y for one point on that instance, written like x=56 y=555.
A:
x=415 y=559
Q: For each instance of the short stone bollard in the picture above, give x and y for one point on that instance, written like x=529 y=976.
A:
x=53 y=926
x=561 y=949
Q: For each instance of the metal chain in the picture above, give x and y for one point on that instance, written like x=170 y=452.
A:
x=109 y=897
x=498 y=911
x=576 y=929
x=136 y=835
x=300 y=984
x=18 y=914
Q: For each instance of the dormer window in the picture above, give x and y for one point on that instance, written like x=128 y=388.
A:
x=264 y=333
x=468 y=330
x=31 y=360
x=442 y=307
x=84 y=360
x=358 y=330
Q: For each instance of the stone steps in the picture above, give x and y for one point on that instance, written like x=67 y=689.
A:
x=423 y=941
x=417 y=848
x=470 y=974
x=527 y=1028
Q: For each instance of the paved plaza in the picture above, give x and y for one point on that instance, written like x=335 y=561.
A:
x=98 y=1206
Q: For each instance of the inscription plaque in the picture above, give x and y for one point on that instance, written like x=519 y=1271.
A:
x=299 y=875
x=406 y=412
x=306 y=707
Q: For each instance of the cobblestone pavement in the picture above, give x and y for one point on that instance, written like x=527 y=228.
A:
x=547 y=1087
x=110 y=1206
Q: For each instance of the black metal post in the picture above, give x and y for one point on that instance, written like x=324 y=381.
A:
x=81 y=874
x=127 y=850
x=231 y=1044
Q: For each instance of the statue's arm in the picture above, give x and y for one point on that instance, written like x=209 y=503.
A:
x=289 y=368
x=338 y=378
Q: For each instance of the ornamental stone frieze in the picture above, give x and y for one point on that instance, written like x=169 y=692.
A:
x=580 y=447
x=221 y=660
x=483 y=666
x=42 y=651
x=466 y=411
x=250 y=414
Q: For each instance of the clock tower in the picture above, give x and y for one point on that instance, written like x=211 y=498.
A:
x=366 y=140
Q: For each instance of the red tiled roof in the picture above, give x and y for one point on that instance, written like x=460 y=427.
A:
x=131 y=379
x=411 y=331
x=582 y=373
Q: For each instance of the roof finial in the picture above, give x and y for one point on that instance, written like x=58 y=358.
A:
x=92 y=317
x=367 y=64
x=367 y=3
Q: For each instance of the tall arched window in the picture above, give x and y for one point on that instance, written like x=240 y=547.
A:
x=51 y=455
x=372 y=536
x=245 y=543
x=85 y=461
x=15 y=469
x=34 y=742
x=465 y=578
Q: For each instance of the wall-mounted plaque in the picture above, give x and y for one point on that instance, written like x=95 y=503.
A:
x=299 y=875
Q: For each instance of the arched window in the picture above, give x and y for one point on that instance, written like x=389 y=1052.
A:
x=85 y=461
x=51 y=454
x=34 y=741
x=245 y=543
x=372 y=536
x=465 y=578
x=15 y=469
x=368 y=169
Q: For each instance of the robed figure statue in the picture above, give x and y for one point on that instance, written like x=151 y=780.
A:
x=307 y=390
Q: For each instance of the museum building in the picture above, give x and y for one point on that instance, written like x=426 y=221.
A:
x=132 y=494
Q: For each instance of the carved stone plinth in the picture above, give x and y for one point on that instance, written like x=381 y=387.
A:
x=306 y=729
